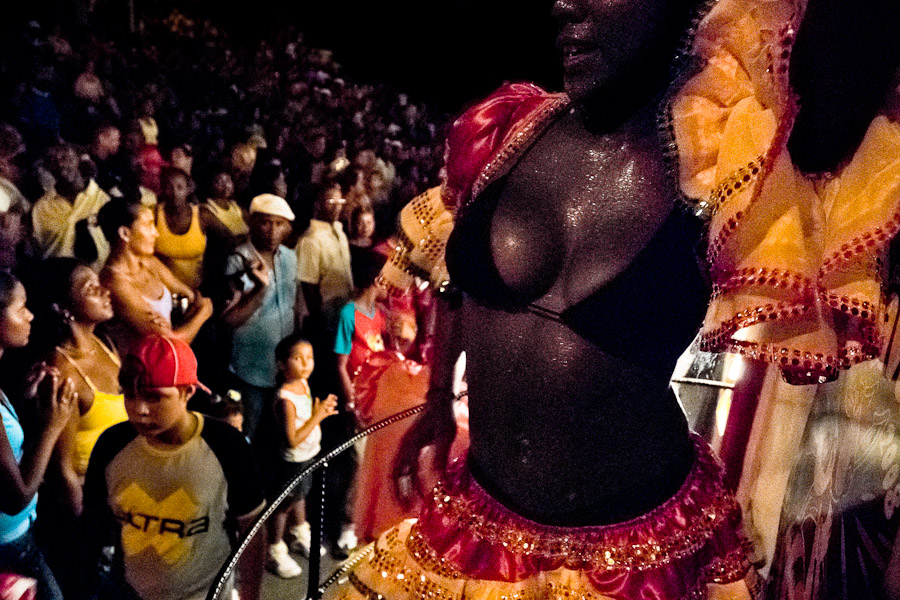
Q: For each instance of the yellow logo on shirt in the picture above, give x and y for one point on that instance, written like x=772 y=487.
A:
x=375 y=343
x=166 y=526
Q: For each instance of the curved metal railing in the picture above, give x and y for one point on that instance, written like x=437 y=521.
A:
x=314 y=590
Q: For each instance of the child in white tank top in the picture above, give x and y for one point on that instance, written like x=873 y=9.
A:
x=298 y=416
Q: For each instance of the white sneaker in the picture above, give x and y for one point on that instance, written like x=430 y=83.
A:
x=302 y=541
x=348 y=540
x=281 y=563
x=302 y=534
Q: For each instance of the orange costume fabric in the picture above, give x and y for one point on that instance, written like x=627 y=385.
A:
x=386 y=384
x=795 y=261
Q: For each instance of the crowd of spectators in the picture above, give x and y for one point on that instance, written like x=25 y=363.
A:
x=188 y=187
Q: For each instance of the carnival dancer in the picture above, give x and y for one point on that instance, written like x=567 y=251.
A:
x=572 y=285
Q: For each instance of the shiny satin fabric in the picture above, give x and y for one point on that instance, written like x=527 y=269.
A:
x=386 y=384
x=467 y=545
x=795 y=260
x=481 y=143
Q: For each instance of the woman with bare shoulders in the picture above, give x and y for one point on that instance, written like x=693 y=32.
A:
x=22 y=466
x=572 y=284
x=141 y=286
x=69 y=303
x=181 y=228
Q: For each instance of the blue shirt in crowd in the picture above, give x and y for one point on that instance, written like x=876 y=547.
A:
x=12 y=527
x=253 y=343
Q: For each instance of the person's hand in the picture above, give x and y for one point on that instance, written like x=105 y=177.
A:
x=435 y=428
x=259 y=273
x=56 y=398
x=157 y=320
x=322 y=409
x=203 y=307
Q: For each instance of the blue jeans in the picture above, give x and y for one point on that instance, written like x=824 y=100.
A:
x=22 y=557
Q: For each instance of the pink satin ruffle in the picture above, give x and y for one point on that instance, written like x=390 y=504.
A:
x=691 y=539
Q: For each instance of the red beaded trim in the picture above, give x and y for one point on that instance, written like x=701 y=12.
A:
x=861 y=309
x=778 y=145
x=729 y=568
x=797 y=366
x=732 y=185
x=777 y=65
x=762 y=276
x=715 y=247
x=869 y=242
x=752 y=316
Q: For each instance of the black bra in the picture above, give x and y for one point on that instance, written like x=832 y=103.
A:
x=648 y=314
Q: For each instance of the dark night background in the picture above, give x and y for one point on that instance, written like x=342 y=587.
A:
x=449 y=52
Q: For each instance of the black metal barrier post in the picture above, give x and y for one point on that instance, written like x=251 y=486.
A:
x=220 y=590
x=315 y=514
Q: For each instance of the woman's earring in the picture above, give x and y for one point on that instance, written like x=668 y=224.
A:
x=66 y=315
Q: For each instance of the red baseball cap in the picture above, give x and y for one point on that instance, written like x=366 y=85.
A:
x=158 y=361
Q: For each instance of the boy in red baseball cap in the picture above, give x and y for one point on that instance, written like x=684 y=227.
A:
x=175 y=485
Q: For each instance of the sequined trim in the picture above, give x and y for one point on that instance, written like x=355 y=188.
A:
x=666 y=128
x=427 y=558
x=716 y=245
x=867 y=243
x=419 y=584
x=399 y=260
x=594 y=548
x=388 y=565
x=684 y=65
x=388 y=562
x=423 y=588
x=798 y=365
x=516 y=145
x=732 y=185
x=762 y=276
x=853 y=306
x=729 y=568
x=687 y=546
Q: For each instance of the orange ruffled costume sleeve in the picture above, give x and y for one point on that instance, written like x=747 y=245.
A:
x=795 y=262
x=481 y=143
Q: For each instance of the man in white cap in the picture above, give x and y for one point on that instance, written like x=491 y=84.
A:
x=265 y=308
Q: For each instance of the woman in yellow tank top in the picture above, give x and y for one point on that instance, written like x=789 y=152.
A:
x=224 y=216
x=182 y=239
x=74 y=303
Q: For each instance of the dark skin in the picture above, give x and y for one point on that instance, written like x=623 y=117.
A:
x=176 y=208
x=584 y=437
x=64 y=167
x=266 y=234
x=89 y=304
x=328 y=211
x=222 y=194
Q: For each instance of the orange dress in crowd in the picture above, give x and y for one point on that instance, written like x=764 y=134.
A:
x=386 y=384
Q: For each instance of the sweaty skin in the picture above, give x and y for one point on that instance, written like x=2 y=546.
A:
x=564 y=431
